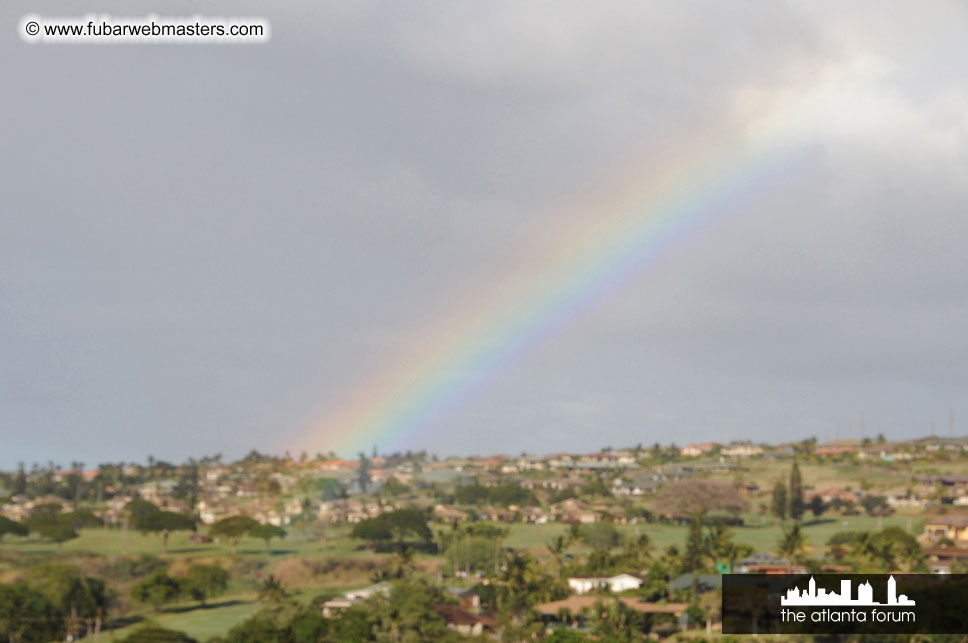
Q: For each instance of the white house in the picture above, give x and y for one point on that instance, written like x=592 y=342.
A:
x=336 y=605
x=615 y=584
x=741 y=450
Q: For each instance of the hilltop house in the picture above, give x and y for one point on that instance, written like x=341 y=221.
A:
x=741 y=450
x=695 y=450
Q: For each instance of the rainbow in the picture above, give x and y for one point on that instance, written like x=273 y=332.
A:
x=556 y=276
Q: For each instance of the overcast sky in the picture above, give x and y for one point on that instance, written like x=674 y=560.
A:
x=205 y=249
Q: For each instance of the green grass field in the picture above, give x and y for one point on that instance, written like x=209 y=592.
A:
x=762 y=538
x=116 y=542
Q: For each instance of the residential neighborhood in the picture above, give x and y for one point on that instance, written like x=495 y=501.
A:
x=655 y=525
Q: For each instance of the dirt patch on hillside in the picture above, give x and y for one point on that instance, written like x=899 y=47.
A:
x=302 y=572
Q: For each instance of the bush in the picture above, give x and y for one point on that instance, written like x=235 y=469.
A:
x=156 y=590
x=152 y=633
x=143 y=565
x=846 y=538
x=599 y=535
x=204 y=581
x=27 y=615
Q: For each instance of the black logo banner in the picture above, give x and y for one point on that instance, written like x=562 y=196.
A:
x=845 y=604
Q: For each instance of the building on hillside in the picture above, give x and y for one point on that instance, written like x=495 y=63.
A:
x=450 y=514
x=951 y=526
x=465 y=622
x=615 y=584
x=612 y=458
x=635 y=487
x=837 y=448
x=831 y=494
x=885 y=453
x=940 y=559
x=553 y=484
x=951 y=485
x=210 y=512
x=534 y=515
x=495 y=514
x=904 y=498
x=696 y=450
x=741 y=450
x=15 y=512
x=348 y=599
x=574 y=511
x=468 y=598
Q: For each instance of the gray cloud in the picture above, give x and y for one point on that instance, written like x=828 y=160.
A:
x=204 y=248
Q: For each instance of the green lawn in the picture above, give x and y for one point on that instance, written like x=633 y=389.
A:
x=762 y=538
x=202 y=623
x=116 y=542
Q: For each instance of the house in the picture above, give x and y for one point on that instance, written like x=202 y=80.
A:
x=952 y=485
x=635 y=487
x=904 y=498
x=611 y=458
x=696 y=450
x=348 y=599
x=496 y=514
x=210 y=512
x=534 y=515
x=450 y=514
x=465 y=622
x=951 y=526
x=837 y=448
x=293 y=507
x=468 y=598
x=940 y=559
x=831 y=494
x=574 y=511
x=17 y=513
x=615 y=584
x=741 y=450
x=554 y=484
x=885 y=453
x=271 y=517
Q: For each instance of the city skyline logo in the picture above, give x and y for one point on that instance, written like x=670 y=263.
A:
x=819 y=597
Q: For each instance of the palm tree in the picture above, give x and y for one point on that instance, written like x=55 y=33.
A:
x=712 y=604
x=791 y=542
x=557 y=548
